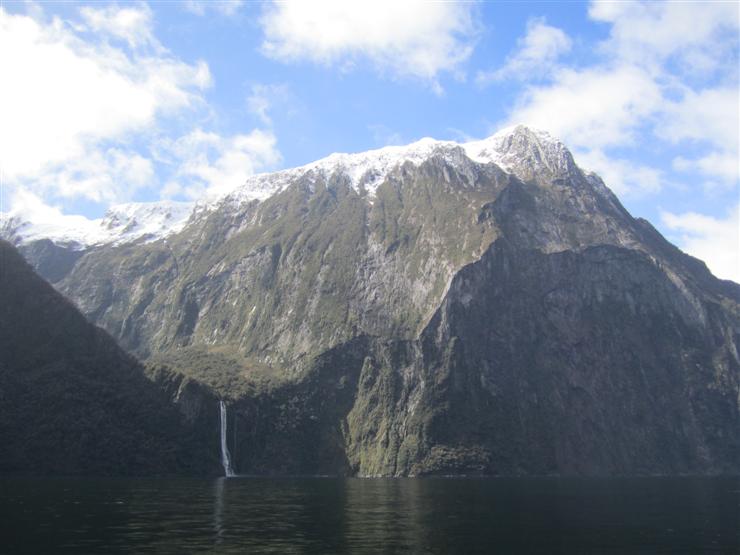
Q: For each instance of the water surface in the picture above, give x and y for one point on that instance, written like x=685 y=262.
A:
x=323 y=516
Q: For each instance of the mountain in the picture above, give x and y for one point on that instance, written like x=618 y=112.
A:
x=437 y=308
x=122 y=223
x=72 y=402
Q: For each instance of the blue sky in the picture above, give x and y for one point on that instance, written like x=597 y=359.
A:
x=108 y=103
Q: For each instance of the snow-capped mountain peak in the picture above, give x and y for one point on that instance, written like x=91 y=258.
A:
x=147 y=219
x=523 y=151
x=520 y=150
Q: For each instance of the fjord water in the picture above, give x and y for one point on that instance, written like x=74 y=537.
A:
x=327 y=515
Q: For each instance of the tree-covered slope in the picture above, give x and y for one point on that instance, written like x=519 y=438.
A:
x=72 y=402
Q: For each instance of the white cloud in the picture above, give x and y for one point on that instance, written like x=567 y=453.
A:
x=649 y=32
x=642 y=91
x=624 y=177
x=412 y=38
x=131 y=24
x=710 y=117
x=61 y=95
x=32 y=208
x=709 y=114
x=722 y=165
x=210 y=164
x=84 y=117
x=675 y=41
x=537 y=53
x=102 y=175
x=223 y=7
x=591 y=108
x=716 y=241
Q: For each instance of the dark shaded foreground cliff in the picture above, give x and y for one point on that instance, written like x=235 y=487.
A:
x=72 y=402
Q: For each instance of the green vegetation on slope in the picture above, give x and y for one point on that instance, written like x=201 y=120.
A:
x=71 y=401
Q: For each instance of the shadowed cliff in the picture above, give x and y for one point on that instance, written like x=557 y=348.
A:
x=72 y=402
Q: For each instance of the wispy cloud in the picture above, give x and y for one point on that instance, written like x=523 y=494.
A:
x=641 y=90
x=694 y=34
x=384 y=135
x=536 y=54
x=264 y=98
x=223 y=7
x=132 y=24
x=713 y=240
x=706 y=117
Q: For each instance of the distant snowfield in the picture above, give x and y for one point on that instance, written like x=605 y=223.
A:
x=122 y=223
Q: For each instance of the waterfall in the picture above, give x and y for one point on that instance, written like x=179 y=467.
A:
x=225 y=457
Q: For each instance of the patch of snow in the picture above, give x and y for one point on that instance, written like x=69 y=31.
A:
x=122 y=223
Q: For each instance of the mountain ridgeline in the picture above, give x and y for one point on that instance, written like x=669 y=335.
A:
x=486 y=308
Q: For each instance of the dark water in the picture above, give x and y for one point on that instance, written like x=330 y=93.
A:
x=249 y=515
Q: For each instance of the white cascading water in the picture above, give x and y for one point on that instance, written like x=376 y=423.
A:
x=225 y=457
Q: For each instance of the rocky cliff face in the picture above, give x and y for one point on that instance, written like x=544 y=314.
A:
x=438 y=308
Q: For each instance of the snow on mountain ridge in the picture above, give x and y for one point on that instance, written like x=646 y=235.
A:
x=122 y=223
x=519 y=150
x=365 y=170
